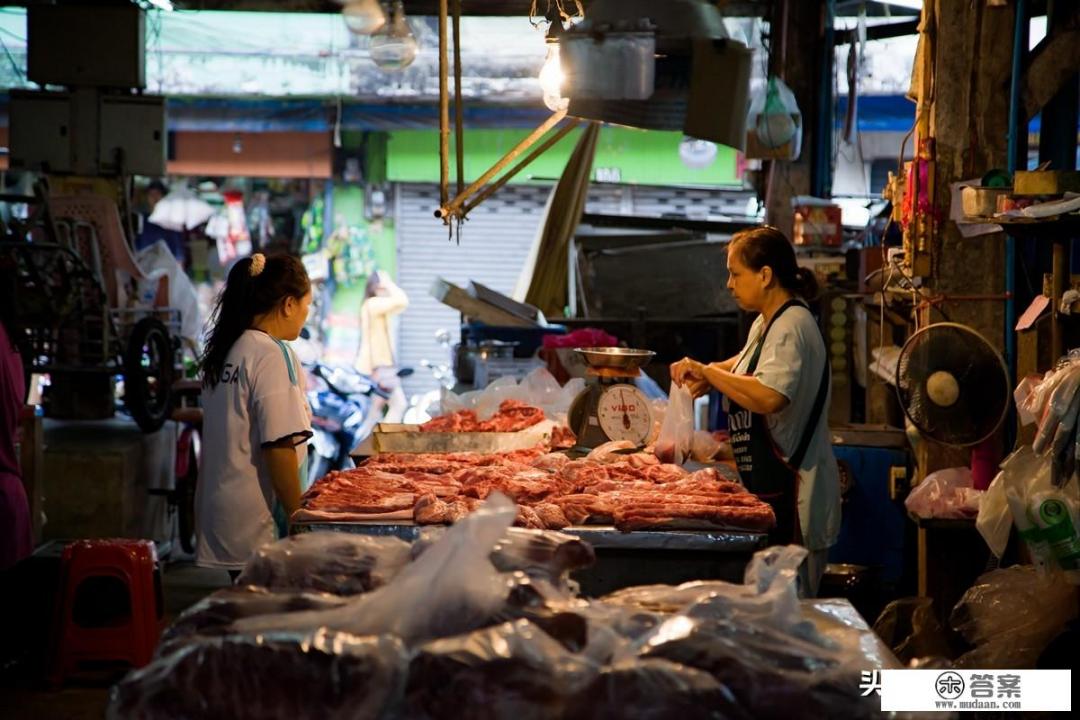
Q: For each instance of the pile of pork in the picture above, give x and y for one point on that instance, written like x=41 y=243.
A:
x=480 y=621
x=631 y=492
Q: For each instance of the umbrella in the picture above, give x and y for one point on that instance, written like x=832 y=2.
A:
x=181 y=210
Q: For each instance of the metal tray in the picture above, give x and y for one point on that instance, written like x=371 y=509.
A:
x=599 y=536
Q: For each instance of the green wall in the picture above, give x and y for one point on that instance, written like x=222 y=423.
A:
x=626 y=155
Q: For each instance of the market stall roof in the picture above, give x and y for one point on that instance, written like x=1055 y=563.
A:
x=742 y=8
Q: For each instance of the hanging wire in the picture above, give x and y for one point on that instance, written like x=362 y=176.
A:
x=556 y=5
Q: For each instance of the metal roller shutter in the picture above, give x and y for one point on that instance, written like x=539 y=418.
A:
x=694 y=203
x=495 y=241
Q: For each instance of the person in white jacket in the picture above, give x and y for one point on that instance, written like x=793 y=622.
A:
x=382 y=300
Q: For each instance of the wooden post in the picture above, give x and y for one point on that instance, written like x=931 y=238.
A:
x=969 y=120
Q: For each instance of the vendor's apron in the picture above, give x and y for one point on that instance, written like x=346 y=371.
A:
x=281 y=521
x=761 y=465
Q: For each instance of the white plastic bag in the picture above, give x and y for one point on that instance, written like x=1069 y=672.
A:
x=995 y=519
x=946 y=493
x=451 y=588
x=539 y=388
x=1047 y=517
x=677 y=432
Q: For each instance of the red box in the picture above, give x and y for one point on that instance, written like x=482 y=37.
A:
x=818 y=225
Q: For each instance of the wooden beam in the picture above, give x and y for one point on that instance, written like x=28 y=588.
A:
x=1053 y=63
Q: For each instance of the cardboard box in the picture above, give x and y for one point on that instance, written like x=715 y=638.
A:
x=1046 y=182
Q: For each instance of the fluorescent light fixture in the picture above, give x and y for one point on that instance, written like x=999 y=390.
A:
x=909 y=4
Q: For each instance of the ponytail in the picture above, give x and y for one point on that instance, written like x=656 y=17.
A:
x=806 y=284
x=763 y=246
x=255 y=286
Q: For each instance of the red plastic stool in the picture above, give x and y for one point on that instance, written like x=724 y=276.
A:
x=127 y=569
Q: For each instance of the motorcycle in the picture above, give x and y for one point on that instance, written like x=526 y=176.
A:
x=345 y=407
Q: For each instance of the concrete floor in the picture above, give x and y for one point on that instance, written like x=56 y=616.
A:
x=85 y=697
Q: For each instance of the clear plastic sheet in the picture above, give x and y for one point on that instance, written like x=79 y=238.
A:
x=332 y=562
x=779 y=656
x=328 y=675
x=450 y=588
x=1011 y=615
x=514 y=671
x=481 y=625
x=911 y=628
x=654 y=689
x=215 y=614
x=769 y=590
x=539 y=388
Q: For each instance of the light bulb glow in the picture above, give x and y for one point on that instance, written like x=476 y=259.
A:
x=363 y=17
x=394 y=47
x=552 y=80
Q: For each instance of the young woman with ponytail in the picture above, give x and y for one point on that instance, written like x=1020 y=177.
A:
x=256 y=417
x=776 y=392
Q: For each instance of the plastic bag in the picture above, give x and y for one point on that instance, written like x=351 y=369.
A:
x=677 y=432
x=513 y=670
x=653 y=689
x=1047 y=517
x=539 y=388
x=333 y=562
x=451 y=588
x=911 y=629
x=769 y=591
x=322 y=674
x=214 y=615
x=157 y=260
x=775 y=119
x=946 y=493
x=1011 y=615
x=546 y=555
x=994 y=521
x=1060 y=396
x=769 y=671
x=704 y=446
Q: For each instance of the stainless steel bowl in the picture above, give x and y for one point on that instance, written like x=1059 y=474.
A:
x=615 y=357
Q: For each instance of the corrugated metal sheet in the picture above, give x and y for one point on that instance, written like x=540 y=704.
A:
x=693 y=203
x=495 y=243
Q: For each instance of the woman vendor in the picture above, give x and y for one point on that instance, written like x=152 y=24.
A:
x=776 y=392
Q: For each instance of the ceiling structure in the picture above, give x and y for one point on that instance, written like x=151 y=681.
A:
x=734 y=8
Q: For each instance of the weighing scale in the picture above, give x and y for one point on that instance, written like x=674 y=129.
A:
x=611 y=407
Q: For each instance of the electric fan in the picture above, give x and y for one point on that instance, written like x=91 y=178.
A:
x=952 y=384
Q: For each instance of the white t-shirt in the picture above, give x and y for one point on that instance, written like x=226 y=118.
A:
x=258 y=400
x=791 y=363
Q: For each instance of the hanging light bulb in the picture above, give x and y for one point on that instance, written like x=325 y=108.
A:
x=393 y=47
x=552 y=78
x=363 y=17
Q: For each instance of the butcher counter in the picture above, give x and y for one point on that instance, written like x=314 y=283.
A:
x=623 y=559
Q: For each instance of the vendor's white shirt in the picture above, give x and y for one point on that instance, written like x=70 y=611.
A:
x=258 y=400
x=791 y=363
